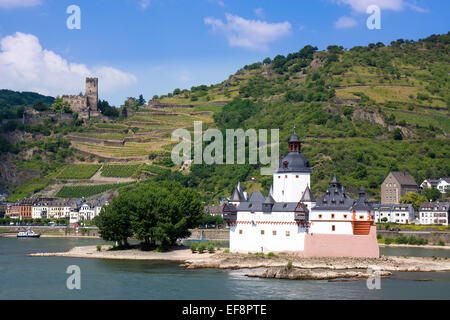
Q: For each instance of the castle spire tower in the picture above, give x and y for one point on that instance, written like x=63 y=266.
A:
x=293 y=175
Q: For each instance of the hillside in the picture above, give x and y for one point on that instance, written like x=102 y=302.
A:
x=11 y=100
x=360 y=113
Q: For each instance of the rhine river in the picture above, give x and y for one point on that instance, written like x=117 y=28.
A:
x=24 y=277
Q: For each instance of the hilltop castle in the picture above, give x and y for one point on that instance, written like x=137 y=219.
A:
x=289 y=219
x=85 y=105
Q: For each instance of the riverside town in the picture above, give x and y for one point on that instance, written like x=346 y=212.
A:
x=295 y=151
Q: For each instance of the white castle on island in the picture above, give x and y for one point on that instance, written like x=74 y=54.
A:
x=290 y=220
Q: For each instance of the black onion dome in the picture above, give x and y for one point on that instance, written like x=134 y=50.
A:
x=294 y=138
x=294 y=162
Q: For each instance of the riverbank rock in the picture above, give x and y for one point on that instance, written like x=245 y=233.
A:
x=308 y=274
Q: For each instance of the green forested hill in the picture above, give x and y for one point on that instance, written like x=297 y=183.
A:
x=360 y=113
x=11 y=101
x=14 y=98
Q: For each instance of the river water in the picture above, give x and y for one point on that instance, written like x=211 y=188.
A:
x=24 y=277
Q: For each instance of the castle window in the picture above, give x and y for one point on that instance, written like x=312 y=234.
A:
x=320 y=216
x=240 y=231
x=345 y=216
x=288 y=233
x=296 y=177
x=333 y=228
x=274 y=233
x=361 y=217
x=262 y=232
x=332 y=216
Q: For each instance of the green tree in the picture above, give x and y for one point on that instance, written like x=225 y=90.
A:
x=114 y=221
x=414 y=198
x=432 y=194
x=141 y=101
x=398 y=135
x=60 y=106
x=157 y=213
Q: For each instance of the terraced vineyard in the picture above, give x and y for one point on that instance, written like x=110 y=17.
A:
x=87 y=191
x=79 y=171
x=148 y=129
x=119 y=170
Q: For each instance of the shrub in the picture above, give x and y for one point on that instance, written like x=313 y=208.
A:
x=226 y=251
x=388 y=240
x=441 y=243
x=270 y=255
x=201 y=247
x=99 y=248
x=194 y=247
x=402 y=240
x=211 y=248
x=289 y=266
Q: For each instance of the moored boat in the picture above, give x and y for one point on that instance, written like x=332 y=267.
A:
x=28 y=234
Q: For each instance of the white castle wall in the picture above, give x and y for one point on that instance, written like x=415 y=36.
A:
x=322 y=222
x=289 y=187
x=251 y=239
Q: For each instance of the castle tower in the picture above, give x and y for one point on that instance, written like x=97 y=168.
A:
x=92 y=93
x=293 y=175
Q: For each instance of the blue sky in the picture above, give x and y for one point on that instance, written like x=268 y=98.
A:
x=154 y=46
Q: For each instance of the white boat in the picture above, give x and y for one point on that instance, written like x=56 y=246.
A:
x=28 y=234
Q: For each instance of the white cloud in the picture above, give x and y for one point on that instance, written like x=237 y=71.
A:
x=219 y=2
x=249 y=34
x=19 y=3
x=26 y=66
x=361 y=5
x=144 y=4
x=345 y=22
x=259 y=12
x=394 y=5
x=417 y=8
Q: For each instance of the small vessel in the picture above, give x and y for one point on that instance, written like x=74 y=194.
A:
x=28 y=234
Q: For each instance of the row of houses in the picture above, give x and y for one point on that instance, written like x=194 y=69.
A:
x=399 y=183
x=75 y=210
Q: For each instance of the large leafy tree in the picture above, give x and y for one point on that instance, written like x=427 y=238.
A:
x=61 y=106
x=114 y=221
x=158 y=213
x=414 y=198
x=432 y=194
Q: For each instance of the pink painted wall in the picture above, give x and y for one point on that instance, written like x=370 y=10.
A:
x=328 y=245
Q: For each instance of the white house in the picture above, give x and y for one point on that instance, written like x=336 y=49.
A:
x=289 y=219
x=40 y=210
x=89 y=210
x=434 y=213
x=395 y=213
x=443 y=185
x=74 y=215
